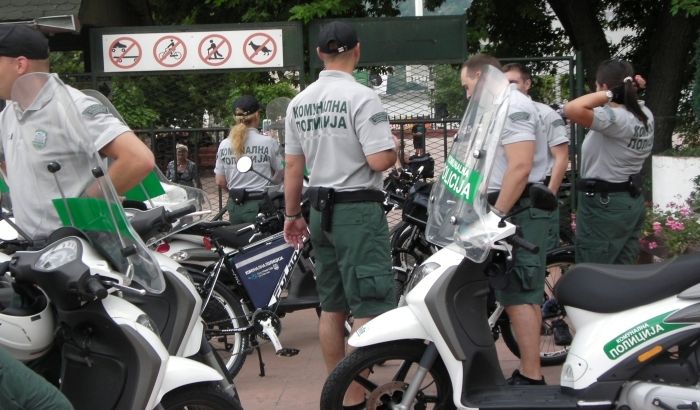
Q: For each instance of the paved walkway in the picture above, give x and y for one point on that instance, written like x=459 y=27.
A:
x=295 y=383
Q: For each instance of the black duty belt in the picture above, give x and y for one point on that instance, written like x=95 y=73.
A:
x=322 y=199
x=240 y=196
x=591 y=186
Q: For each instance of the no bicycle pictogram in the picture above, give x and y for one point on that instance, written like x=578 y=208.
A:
x=169 y=51
x=124 y=52
x=259 y=48
x=215 y=49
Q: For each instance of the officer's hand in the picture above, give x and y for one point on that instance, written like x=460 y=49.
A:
x=295 y=232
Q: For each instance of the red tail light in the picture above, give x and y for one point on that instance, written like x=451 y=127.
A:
x=206 y=242
x=163 y=247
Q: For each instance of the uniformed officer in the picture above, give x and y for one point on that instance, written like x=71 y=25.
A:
x=552 y=126
x=610 y=211
x=339 y=129
x=245 y=140
x=521 y=159
x=24 y=50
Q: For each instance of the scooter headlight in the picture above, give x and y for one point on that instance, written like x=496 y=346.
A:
x=418 y=274
x=180 y=256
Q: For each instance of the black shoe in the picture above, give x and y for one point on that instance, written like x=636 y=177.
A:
x=518 y=379
x=562 y=335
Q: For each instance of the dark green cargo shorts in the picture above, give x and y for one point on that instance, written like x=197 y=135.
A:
x=353 y=261
x=526 y=279
x=608 y=229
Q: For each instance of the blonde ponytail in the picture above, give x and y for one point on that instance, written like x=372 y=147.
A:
x=239 y=132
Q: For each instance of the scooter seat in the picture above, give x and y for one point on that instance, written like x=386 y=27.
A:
x=614 y=288
x=229 y=235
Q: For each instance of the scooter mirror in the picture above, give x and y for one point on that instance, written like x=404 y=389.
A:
x=542 y=198
x=244 y=164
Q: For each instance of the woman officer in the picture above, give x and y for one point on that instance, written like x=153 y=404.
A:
x=245 y=140
x=610 y=208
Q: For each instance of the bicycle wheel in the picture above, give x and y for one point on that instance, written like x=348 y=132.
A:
x=199 y=396
x=383 y=371
x=224 y=311
x=559 y=261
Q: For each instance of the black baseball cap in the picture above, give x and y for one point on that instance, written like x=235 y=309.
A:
x=21 y=40
x=336 y=37
x=246 y=105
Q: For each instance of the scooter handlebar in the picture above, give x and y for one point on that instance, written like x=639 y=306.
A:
x=172 y=216
x=522 y=243
x=94 y=288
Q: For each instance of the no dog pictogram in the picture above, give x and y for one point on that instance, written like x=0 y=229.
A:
x=259 y=48
x=169 y=51
x=215 y=49
x=124 y=52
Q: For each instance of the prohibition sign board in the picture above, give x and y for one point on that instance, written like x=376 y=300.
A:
x=169 y=51
x=124 y=49
x=259 y=48
x=215 y=49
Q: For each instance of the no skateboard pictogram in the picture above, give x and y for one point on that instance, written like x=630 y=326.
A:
x=125 y=52
x=169 y=51
x=215 y=50
x=259 y=48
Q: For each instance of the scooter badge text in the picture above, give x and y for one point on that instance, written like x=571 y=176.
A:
x=639 y=334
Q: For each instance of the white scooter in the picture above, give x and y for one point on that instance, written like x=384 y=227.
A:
x=638 y=331
x=110 y=353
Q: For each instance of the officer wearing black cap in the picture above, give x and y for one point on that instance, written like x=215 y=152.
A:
x=23 y=51
x=339 y=129
x=245 y=140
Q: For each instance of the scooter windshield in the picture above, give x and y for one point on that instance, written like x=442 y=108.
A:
x=458 y=204
x=156 y=190
x=56 y=177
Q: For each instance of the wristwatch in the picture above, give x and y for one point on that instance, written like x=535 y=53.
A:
x=609 y=94
x=291 y=218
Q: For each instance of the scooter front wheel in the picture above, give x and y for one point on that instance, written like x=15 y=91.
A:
x=204 y=396
x=384 y=371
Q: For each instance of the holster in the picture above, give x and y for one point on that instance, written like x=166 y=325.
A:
x=238 y=196
x=322 y=200
x=635 y=182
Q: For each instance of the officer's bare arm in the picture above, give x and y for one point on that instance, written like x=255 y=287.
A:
x=561 y=162
x=293 y=182
x=131 y=161
x=580 y=110
x=381 y=161
x=520 y=156
x=220 y=181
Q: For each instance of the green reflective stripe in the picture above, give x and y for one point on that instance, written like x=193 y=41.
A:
x=149 y=188
x=90 y=214
x=640 y=334
x=459 y=180
x=3 y=186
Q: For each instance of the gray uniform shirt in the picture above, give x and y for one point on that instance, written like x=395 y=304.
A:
x=335 y=123
x=617 y=144
x=27 y=155
x=262 y=149
x=521 y=125
x=554 y=129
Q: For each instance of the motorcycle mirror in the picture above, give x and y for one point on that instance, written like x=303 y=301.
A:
x=542 y=198
x=52 y=24
x=244 y=164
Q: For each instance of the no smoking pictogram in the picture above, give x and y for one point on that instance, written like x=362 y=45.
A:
x=169 y=51
x=215 y=49
x=124 y=52
x=259 y=48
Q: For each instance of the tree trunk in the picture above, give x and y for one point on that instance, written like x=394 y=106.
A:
x=581 y=24
x=671 y=51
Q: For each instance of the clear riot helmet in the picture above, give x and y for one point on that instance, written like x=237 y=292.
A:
x=157 y=191
x=458 y=204
x=57 y=178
